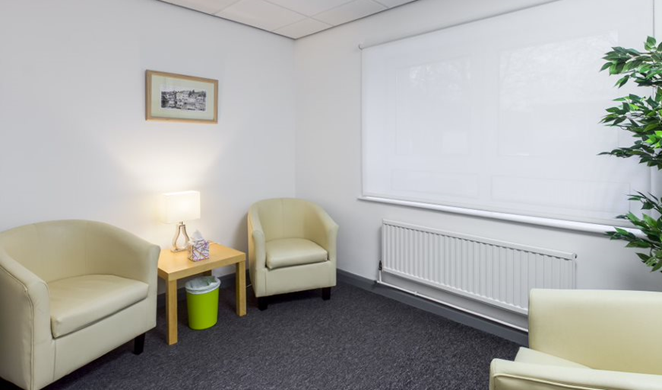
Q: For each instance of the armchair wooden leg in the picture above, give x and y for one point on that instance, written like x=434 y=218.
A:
x=139 y=344
x=326 y=293
x=262 y=303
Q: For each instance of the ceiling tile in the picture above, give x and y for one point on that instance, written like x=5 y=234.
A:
x=259 y=13
x=393 y=3
x=350 y=11
x=206 y=6
x=302 y=28
x=309 y=7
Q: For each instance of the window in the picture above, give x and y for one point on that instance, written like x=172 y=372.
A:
x=503 y=114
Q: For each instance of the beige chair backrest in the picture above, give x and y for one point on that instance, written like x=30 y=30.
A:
x=59 y=249
x=606 y=330
x=286 y=218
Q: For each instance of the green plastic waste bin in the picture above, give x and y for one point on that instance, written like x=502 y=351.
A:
x=202 y=302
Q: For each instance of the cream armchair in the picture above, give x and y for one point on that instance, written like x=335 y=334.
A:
x=71 y=291
x=584 y=339
x=291 y=247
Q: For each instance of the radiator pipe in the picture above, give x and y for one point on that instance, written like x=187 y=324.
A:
x=473 y=313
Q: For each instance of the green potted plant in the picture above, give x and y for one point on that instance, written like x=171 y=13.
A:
x=641 y=116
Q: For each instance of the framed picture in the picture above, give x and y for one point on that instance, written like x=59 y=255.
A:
x=175 y=97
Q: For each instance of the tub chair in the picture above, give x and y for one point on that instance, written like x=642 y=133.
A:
x=587 y=339
x=71 y=291
x=291 y=247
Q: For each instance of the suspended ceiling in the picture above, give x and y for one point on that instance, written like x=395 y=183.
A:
x=291 y=18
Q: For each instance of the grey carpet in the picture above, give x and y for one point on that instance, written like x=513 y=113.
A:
x=357 y=340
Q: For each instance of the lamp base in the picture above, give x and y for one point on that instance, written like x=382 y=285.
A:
x=181 y=231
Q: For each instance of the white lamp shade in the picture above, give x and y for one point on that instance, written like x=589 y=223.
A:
x=180 y=206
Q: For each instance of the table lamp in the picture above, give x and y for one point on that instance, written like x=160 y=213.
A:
x=177 y=207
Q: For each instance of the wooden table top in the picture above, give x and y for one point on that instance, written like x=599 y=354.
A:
x=174 y=266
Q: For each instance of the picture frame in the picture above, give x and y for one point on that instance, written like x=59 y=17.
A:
x=174 y=97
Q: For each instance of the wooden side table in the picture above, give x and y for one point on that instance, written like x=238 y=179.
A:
x=175 y=266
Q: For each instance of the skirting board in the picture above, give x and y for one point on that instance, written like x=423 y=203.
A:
x=228 y=281
x=435 y=308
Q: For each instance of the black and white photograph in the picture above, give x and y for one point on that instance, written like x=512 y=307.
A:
x=187 y=100
x=179 y=98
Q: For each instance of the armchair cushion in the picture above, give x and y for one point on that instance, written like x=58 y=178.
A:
x=287 y=252
x=83 y=300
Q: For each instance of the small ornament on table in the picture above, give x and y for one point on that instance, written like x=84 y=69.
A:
x=198 y=247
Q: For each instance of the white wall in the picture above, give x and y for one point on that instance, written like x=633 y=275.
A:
x=75 y=143
x=328 y=162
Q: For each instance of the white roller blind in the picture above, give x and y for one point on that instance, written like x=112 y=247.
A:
x=502 y=114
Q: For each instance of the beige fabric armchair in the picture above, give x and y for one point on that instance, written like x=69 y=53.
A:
x=71 y=291
x=587 y=339
x=291 y=247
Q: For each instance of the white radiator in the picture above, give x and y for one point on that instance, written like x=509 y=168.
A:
x=496 y=272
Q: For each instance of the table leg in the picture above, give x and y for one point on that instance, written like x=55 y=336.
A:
x=171 y=311
x=240 y=281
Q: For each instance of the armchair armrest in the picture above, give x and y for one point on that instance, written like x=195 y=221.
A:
x=507 y=375
x=27 y=351
x=257 y=255
x=111 y=250
x=257 y=252
x=323 y=230
x=606 y=330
